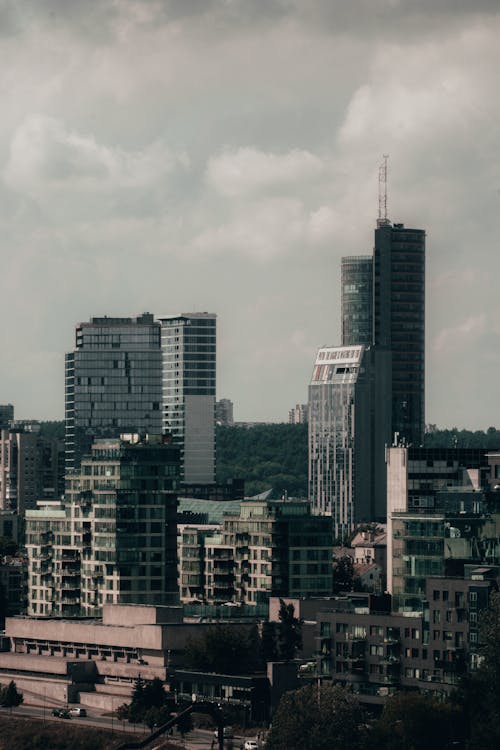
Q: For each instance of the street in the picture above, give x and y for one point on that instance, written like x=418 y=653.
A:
x=198 y=739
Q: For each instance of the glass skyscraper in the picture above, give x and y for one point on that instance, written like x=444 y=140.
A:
x=357 y=299
x=188 y=343
x=113 y=383
x=399 y=322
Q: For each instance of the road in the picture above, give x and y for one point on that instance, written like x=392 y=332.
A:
x=198 y=739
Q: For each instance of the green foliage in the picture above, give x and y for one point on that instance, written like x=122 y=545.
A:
x=479 y=694
x=10 y=697
x=455 y=438
x=344 y=576
x=185 y=723
x=412 y=721
x=289 y=632
x=268 y=644
x=156 y=716
x=223 y=649
x=265 y=456
x=31 y=734
x=52 y=429
x=8 y=546
x=312 y=718
x=146 y=695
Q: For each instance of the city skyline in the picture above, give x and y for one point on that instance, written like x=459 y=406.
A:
x=236 y=186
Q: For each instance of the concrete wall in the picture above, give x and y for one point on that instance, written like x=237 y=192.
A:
x=79 y=631
x=136 y=614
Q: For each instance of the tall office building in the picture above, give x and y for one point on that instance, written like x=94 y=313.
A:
x=113 y=382
x=349 y=426
x=399 y=322
x=339 y=436
x=188 y=344
x=357 y=300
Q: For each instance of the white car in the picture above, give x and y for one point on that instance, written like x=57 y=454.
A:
x=251 y=745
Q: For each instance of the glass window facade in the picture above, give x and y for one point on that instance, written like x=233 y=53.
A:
x=113 y=383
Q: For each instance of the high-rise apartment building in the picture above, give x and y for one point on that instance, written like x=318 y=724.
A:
x=399 y=322
x=298 y=415
x=357 y=300
x=188 y=344
x=224 y=412
x=114 y=538
x=113 y=382
x=31 y=466
x=268 y=548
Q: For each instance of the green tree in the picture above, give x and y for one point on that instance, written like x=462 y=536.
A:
x=223 y=649
x=10 y=697
x=185 y=724
x=153 y=694
x=344 y=577
x=146 y=694
x=412 y=721
x=289 y=632
x=479 y=694
x=268 y=645
x=156 y=716
x=272 y=456
x=317 y=718
x=7 y=546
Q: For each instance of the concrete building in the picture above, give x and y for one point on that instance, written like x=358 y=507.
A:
x=357 y=300
x=279 y=549
x=298 y=415
x=224 y=412
x=113 y=539
x=31 y=466
x=349 y=424
x=192 y=556
x=188 y=343
x=399 y=322
x=269 y=548
x=442 y=515
x=113 y=382
x=376 y=652
x=94 y=662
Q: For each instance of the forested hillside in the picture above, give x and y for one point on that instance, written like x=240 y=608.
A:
x=266 y=456
x=274 y=456
x=455 y=438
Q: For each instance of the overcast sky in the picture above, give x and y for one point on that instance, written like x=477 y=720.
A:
x=221 y=156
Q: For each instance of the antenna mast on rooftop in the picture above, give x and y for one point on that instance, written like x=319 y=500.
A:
x=382 y=193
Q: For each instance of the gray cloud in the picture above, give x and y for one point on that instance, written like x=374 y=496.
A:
x=223 y=155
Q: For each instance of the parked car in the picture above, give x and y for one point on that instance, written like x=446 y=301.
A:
x=251 y=745
x=76 y=711
x=62 y=713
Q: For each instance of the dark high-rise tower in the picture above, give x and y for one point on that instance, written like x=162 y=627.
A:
x=357 y=300
x=399 y=321
x=113 y=383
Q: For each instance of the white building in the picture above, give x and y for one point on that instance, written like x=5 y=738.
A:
x=188 y=343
